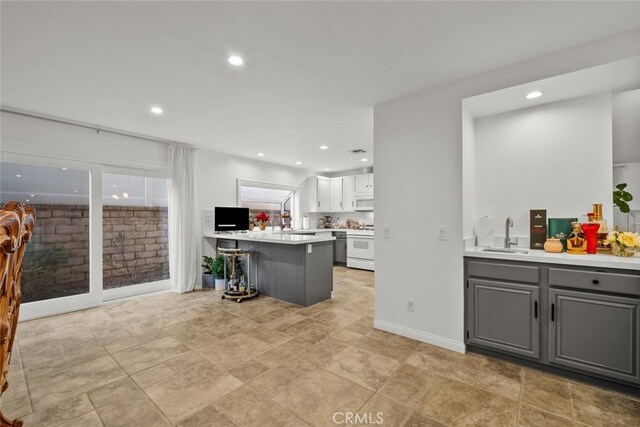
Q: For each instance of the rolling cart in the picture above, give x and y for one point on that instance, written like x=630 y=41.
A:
x=235 y=287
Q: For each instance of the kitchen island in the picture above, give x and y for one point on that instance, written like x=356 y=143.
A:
x=293 y=268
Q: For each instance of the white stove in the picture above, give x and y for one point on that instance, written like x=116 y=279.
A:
x=360 y=249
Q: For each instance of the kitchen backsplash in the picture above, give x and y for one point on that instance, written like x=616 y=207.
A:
x=340 y=218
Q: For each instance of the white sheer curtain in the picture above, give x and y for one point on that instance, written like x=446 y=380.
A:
x=184 y=226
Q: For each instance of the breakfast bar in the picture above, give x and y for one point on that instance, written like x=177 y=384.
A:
x=293 y=268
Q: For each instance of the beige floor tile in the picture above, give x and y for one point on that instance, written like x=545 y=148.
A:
x=394 y=339
x=196 y=385
x=17 y=385
x=87 y=420
x=274 y=380
x=153 y=375
x=407 y=385
x=252 y=409
x=61 y=412
x=363 y=367
x=59 y=354
x=417 y=420
x=282 y=323
x=382 y=348
x=281 y=353
x=138 y=358
x=222 y=324
x=238 y=348
x=209 y=416
x=323 y=351
x=248 y=370
x=125 y=406
x=534 y=417
x=500 y=377
x=548 y=393
x=190 y=336
x=381 y=411
x=600 y=408
x=16 y=408
x=456 y=403
x=51 y=387
x=310 y=330
x=346 y=336
x=362 y=326
x=318 y=394
x=337 y=318
x=127 y=341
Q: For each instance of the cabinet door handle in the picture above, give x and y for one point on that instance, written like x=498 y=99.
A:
x=535 y=309
x=553 y=312
x=595 y=281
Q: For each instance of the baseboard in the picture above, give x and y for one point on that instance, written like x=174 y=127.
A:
x=425 y=337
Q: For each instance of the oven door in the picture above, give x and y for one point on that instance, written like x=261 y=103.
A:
x=360 y=247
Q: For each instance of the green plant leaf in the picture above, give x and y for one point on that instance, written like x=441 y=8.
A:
x=621 y=186
x=623 y=206
x=627 y=197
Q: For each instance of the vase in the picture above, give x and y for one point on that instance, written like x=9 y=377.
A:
x=624 y=251
x=553 y=245
x=590 y=230
x=262 y=225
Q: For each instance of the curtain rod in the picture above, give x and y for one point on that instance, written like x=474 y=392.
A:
x=98 y=129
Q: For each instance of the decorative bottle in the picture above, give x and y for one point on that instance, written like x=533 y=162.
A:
x=576 y=242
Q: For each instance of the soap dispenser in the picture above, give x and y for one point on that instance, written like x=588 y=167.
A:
x=576 y=242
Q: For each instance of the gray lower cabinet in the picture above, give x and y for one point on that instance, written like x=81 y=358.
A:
x=504 y=316
x=596 y=333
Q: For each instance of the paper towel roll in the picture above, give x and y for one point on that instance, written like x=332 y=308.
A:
x=305 y=222
x=486 y=231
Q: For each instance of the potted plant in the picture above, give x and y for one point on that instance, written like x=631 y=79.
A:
x=208 y=280
x=262 y=218
x=621 y=199
x=218 y=272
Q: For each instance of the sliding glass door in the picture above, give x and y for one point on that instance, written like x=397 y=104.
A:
x=98 y=236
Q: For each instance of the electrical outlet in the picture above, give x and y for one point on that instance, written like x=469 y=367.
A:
x=411 y=305
x=443 y=233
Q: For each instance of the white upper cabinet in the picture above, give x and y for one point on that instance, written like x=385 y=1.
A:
x=364 y=186
x=348 y=194
x=336 y=194
x=316 y=194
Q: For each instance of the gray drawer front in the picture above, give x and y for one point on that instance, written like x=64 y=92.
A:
x=595 y=281
x=517 y=273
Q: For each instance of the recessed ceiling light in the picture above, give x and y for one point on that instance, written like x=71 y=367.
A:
x=27 y=200
x=157 y=110
x=235 y=60
x=32 y=195
x=125 y=195
x=327 y=169
x=260 y=154
x=115 y=196
x=364 y=160
x=298 y=163
x=533 y=95
x=65 y=169
x=18 y=176
x=323 y=147
x=75 y=191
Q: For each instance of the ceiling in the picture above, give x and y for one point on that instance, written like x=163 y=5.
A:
x=313 y=70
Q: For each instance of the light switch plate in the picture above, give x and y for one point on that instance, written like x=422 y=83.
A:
x=443 y=233
x=386 y=231
x=309 y=248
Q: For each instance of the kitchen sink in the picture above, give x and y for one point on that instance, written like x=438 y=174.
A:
x=507 y=250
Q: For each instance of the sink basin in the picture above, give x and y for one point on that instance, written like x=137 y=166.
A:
x=506 y=250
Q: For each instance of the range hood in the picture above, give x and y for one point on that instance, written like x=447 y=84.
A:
x=363 y=205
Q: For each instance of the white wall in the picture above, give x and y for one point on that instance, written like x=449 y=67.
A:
x=544 y=157
x=626 y=127
x=418 y=160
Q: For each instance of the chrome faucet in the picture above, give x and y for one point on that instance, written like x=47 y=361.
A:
x=507 y=240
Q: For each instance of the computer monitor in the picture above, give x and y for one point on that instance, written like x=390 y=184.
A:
x=231 y=219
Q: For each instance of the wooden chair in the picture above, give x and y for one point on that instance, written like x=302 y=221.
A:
x=16 y=226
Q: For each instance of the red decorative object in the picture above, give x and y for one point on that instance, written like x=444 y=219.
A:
x=262 y=217
x=590 y=230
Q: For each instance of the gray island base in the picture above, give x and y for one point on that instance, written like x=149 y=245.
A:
x=295 y=269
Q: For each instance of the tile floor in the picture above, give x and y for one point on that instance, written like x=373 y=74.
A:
x=196 y=360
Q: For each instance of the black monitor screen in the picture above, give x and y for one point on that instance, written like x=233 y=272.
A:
x=231 y=219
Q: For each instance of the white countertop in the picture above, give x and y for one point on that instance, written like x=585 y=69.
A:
x=595 y=260
x=272 y=237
